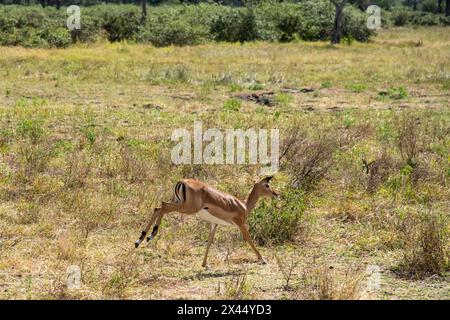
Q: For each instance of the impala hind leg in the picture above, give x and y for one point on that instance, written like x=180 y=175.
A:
x=149 y=225
x=212 y=232
x=248 y=238
x=156 y=216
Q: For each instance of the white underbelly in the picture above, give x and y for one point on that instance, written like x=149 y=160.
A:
x=205 y=215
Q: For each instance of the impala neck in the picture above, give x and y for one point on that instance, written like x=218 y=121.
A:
x=252 y=200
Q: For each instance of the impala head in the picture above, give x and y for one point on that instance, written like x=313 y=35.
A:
x=264 y=188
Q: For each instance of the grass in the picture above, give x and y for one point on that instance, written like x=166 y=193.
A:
x=85 y=157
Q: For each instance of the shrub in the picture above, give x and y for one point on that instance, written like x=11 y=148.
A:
x=307 y=161
x=57 y=37
x=278 y=21
x=355 y=25
x=232 y=105
x=121 y=23
x=317 y=20
x=31 y=129
x=444 y=20
x=90 y=30
x=429 y=6
x=235 y=25
x=179 y=25
x=424 y=19
x=380 y=170
x=165 y=28
x=280 y=221
x=397 y=93
x=400 y=16
x=322 y=283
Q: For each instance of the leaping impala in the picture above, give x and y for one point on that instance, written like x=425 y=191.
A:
x=195 y=197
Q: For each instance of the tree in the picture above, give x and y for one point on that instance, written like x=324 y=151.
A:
x=144 y=11
x=338 y=20
x=447 y=8
x=412 y=4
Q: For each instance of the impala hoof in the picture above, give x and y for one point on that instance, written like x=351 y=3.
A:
x=137 y=243
x=206 y=267
x=262 y=261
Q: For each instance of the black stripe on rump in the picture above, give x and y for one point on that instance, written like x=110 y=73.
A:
x=176 y=191
x=178 y=187
x=184 y=191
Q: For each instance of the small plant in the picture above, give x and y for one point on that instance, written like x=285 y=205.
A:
x=235 y=288
x=5 y=137
x=232 y=105
x=356 y=87
x=324 y=283
x=326 y=84
x=283 y=99
x=79 y=166
x=408 y=139
x=90 y=135
x=287 y=266
x=123 y=275
x=397 y=93
x=31 y=129
x=33 y=158
x=133 y=168
x=256 y=86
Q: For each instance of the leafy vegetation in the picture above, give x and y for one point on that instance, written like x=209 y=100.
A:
x=178 y=25
x=280 y=221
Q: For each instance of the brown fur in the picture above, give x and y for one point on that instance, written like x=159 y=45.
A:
x=219 y=204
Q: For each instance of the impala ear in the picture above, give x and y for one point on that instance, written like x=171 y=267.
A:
x=267 y=179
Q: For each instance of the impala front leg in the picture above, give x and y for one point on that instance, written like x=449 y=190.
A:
x=248 y=238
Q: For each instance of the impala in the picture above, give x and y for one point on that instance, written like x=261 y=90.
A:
x=193 y=197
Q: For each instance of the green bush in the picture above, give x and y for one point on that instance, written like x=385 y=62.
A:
x=424 y=19
x=34 y=26
x=90 y=30
x=121 y=23
x=429 y=6
x=400 y=16
x=231 y=105
x=164 y=27
x=397 y=93
x=444 y=21
x=279 y=221
x=57 y=37
x=355 y=25
x=235 y=25
x=317 y=20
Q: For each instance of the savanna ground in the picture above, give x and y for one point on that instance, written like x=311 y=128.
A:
x=85 y=157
